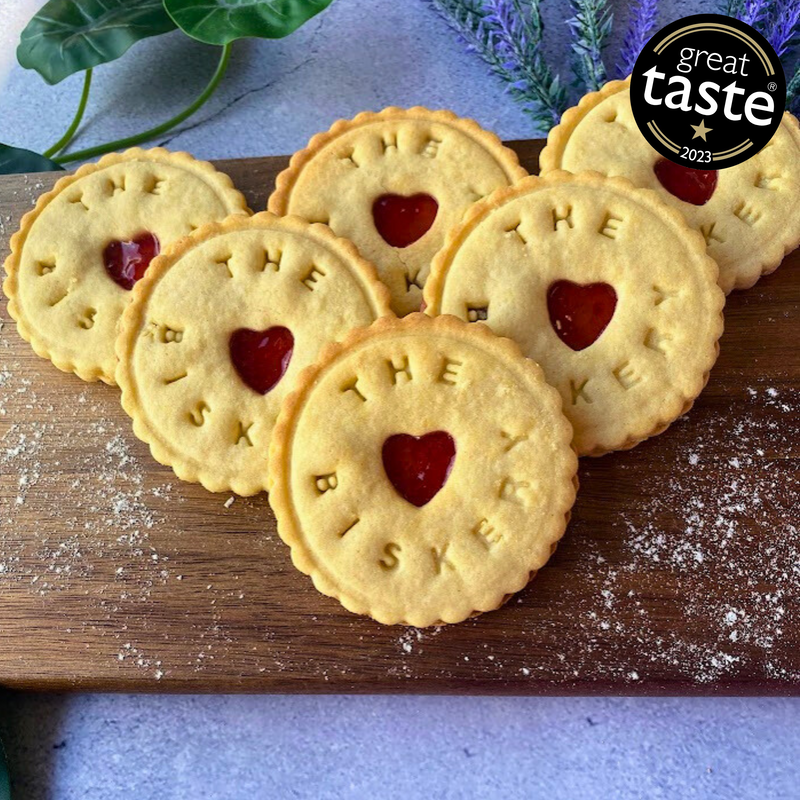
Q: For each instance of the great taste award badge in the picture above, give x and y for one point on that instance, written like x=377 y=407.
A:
x=708 y=91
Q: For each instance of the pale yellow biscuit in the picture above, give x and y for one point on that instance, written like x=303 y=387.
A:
x=60 y=292
x=653 y=356
x=206 y=409
x=476 y=537
x=751 y=220
x=339 y=176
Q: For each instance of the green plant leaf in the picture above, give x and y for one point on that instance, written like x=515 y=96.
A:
x=67 y=36
x=223 y=21
x=15 y=159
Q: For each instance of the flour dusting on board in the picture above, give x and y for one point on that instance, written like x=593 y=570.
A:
x=735 y=524
x=79 y=511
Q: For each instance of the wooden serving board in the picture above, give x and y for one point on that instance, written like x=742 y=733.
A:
x=680 y=571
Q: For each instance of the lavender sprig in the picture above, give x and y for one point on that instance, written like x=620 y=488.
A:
x=516 y=28
x=731 y=8
x=507 y=35
x=642 y=21
x=753 y=12
x=591 y=27
x=784 y=25
x=463 y=16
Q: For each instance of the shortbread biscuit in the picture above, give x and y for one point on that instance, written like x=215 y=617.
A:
x=603 y=285
x=394 y=183
x=422 y=471
x=219 y=329
x=747 y=214
x=80 y=251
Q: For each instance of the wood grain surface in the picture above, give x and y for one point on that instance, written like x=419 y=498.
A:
x=680 y=571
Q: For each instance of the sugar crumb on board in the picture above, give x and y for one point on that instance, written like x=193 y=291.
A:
x=721 y=528
x=411 y=639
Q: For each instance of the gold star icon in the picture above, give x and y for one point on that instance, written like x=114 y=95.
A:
x=700 y=130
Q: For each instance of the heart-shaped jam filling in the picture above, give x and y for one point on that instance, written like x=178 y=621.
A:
x=126 y=262
x=580 y=313
x=402 y=220
x=418 y=466
x=261 y=357
x=693 y=186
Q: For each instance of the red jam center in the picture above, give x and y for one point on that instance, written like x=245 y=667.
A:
x=418 y=466
x=126 y=262
x=580 y=313
x=693 y=186
x=261 y=357
x=402 y=220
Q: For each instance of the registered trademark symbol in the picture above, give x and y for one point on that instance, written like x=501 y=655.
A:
x=772 y=86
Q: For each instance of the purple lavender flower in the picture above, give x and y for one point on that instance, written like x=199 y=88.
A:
x=507 y=34
x=591 y=27
x=516 y=32
x=642 y=21
x=784 y=24
x=754 y=12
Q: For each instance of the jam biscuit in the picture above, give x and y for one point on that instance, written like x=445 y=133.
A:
x=603 y=285
x=422 y=471
x=394 y=183
x=218 y=330
x=747 y=214
x=80 y=251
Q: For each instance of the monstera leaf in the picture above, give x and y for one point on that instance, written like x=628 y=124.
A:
x=224 y=21
x=15 y=159
x=68 y=36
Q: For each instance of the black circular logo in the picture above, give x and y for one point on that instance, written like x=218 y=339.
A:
x=708 y=91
